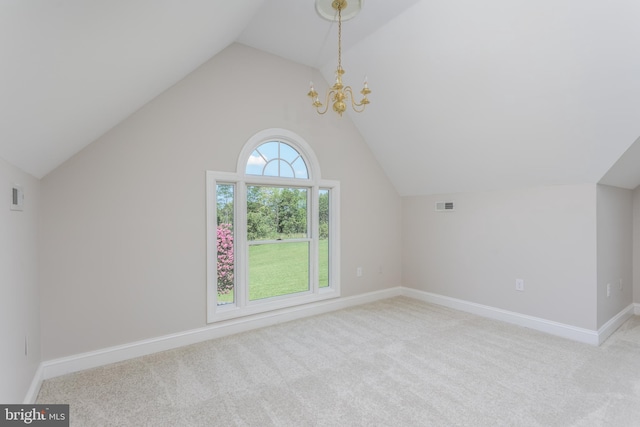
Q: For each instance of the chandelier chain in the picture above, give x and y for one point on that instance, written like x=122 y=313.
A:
x=339 y=38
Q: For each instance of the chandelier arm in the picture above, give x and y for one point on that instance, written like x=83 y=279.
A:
x=354 y=104
x=326 y=103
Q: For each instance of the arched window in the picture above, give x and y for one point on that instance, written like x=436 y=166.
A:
x=272 y=229
x=276 y=158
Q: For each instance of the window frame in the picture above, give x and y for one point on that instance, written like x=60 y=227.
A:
x=242 y=306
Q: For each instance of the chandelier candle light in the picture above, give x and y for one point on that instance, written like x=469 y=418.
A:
x=339 y=93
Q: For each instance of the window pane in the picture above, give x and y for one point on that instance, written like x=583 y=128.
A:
x=255 y=164
x=271 y=169
x=300 y=169
x=269 y=150
x=278 y=269
x=288 y=153
x=225 y=262
x=275 y=158
x=286 y=170
x=323 y=242
x=276 y=213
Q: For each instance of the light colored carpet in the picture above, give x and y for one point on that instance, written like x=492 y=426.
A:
x=397 y=362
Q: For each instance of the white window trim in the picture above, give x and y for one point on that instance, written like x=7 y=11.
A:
x=242 y=305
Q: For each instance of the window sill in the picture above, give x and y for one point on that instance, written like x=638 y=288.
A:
x=231 y=311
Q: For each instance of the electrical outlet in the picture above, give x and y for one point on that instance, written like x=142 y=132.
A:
x=519 y=285
x=608 y=289
x=620 y=284
x=359 y=271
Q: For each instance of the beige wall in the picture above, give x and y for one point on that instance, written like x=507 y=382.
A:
x=615 y=251
x=123 y=239
x=544 y=235
x=636 y=246
x=19 y=301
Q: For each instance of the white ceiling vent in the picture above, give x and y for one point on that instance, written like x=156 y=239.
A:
x=444 y=206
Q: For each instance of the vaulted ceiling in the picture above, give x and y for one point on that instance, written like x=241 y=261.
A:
x=467 y=95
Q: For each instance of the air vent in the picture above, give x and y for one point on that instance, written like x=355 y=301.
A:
x=444 y=206
x=17 y=198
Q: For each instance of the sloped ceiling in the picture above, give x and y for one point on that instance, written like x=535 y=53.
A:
x=72 y=69
x=467 y=95
x=626 y=172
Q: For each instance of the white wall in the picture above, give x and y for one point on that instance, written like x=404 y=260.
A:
x=636 y=246
x=615 y=247
x=544 y=235
x=123 y=238
x=19 y=301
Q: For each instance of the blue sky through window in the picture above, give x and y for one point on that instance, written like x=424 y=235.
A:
x=276 y=158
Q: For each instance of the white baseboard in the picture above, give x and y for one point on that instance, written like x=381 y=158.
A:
x=614 y=323
x=34 y=388
x=554 y=328
x=92 y=359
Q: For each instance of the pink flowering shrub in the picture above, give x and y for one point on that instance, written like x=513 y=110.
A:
x=225 y=259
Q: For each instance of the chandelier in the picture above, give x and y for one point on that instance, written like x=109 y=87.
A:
x=339 y=94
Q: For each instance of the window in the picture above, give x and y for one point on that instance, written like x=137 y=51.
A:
x=272 y=230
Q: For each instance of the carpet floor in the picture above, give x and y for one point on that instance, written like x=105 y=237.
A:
x=396 y=362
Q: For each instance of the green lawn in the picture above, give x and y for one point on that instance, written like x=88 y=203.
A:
x=281 y=269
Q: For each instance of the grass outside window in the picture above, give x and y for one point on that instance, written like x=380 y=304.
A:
x=273 y=271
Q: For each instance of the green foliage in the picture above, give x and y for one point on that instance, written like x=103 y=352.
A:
x=273 y=213
x=225 y=198
x=281 y=269
x=323 y=207
x=276 y=212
